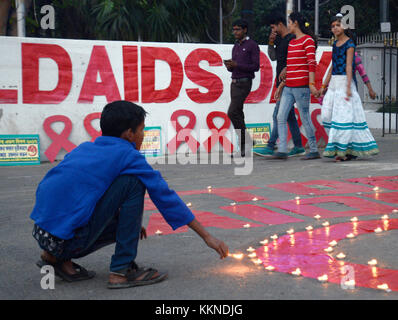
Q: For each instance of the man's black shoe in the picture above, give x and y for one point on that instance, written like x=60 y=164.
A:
x=278 y=156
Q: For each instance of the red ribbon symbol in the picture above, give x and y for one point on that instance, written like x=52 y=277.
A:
x=59 y=140
x=183 y=134
x=319 y=129
x=218 y=134
x=89 y=127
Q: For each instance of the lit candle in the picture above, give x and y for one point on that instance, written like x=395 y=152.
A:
x=250 y=249
x=384 y=287
x=274 y=237
x=341 y=256
x=257 y=261
x=385 y=217
x=350 y=235
x=297 y=198
x=395 y=211
x=328 y=249
x=350 y=283
x=189 y=204
x=323 y=278
x=359 y=193
x=264 y=242
x=311 y=194
x=208 y=187
x=378 y=230
x=372 y=262
x=355 y=219
x=325 y=224
x=292 y=181
x=238 y=256
x=290 y=231
x=265 y=249
x=246 y=225
x=333 y=243
x=158 y=232
x=309 y=228
x=270 y=268
x=317 y=217
x=296 y=272
x=376 y=189
x=254 y=199
x=252 y=255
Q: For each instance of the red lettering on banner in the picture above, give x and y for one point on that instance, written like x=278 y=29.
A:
x=130 y=72
x=206 y=79
x=31 y=54
x=261 y=214
x=8 y=96
x=320 y=72
x=148 y=57
x=99 y=64
x=265 y=81
x=218 y=134
x=59 y=141
x=320 y=132
x=307 y=207
x=183 y=134
x=89 y=127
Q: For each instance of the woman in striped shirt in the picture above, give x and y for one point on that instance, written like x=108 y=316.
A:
x=299 y=84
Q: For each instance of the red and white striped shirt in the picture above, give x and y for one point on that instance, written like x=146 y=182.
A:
x=300 y=61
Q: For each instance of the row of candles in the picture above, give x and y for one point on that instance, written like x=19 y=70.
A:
x=323 y=278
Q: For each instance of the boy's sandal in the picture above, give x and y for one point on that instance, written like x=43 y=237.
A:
x=133 y=273
x=81 y=273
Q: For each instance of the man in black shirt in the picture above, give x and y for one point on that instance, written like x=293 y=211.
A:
x=277 y=50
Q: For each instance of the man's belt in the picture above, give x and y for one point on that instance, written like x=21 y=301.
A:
x=241 y=80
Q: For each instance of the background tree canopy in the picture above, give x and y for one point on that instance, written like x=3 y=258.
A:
x=187 y=20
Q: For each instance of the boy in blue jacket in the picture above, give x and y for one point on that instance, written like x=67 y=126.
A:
x=95 y=197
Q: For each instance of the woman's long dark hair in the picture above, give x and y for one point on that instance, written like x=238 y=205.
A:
x=348 y=32
x=302 y=21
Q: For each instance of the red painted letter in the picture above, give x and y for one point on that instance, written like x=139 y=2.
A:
x=31 y=54
x=130 y=70
x=202 y=77
x=265 y=81
x=148 y=57
x=99 y=63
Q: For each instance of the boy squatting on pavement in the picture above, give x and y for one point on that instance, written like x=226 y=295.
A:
x=95 y=197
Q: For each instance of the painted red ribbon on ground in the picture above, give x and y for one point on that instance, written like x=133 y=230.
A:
x=59 y=141
x=183 y=134
x=89 y=127
x=218 y=134
x=305 y=250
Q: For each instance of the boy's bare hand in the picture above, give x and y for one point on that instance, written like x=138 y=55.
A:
x=218 y=245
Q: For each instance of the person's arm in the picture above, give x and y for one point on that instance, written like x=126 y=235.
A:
x=362 y=72
x=211 y=241
x=327 y=81
x=309 y=47
x=348 y=70
x=278 y=91
x=172 y=208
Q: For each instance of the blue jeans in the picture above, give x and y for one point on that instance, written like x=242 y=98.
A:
x=117 y=217
x=293 y=126
x=300 y=96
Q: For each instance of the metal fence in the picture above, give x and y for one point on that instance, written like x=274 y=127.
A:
x=388 y=43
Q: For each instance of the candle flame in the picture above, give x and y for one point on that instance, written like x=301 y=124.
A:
x=325 y=224
x=246 y=225
x=274 y=237
x=254 y=199
x=317 y=216
x=333 y=243
x=257 y=261
x=265 y=241
x=158 y=232
x=297 y=198
x=372 y=262
x=323 y=278
x=378 y=230
x=341 y=256
x=355 y=219
x=233 y=203
x=238 y=256
x=250 y=249
x=328 y=249
x=252 y=255
x=290 y=231
x=189 y=204
x=385 y=217
x=376 y=188
x=309 y=228
x=350 y=235
x=296 y=272
x=384 y=286
x=395 y=211
x=270 y=268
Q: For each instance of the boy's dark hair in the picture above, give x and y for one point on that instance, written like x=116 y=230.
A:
x=241 y=23
x=301 y=20
x=349 y=33
x=119 y=116
x=276 y=18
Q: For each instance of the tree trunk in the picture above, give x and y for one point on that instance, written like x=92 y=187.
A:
x=247 y=14
x=5 y=6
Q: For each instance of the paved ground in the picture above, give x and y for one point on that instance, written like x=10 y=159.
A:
x=195 y=272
